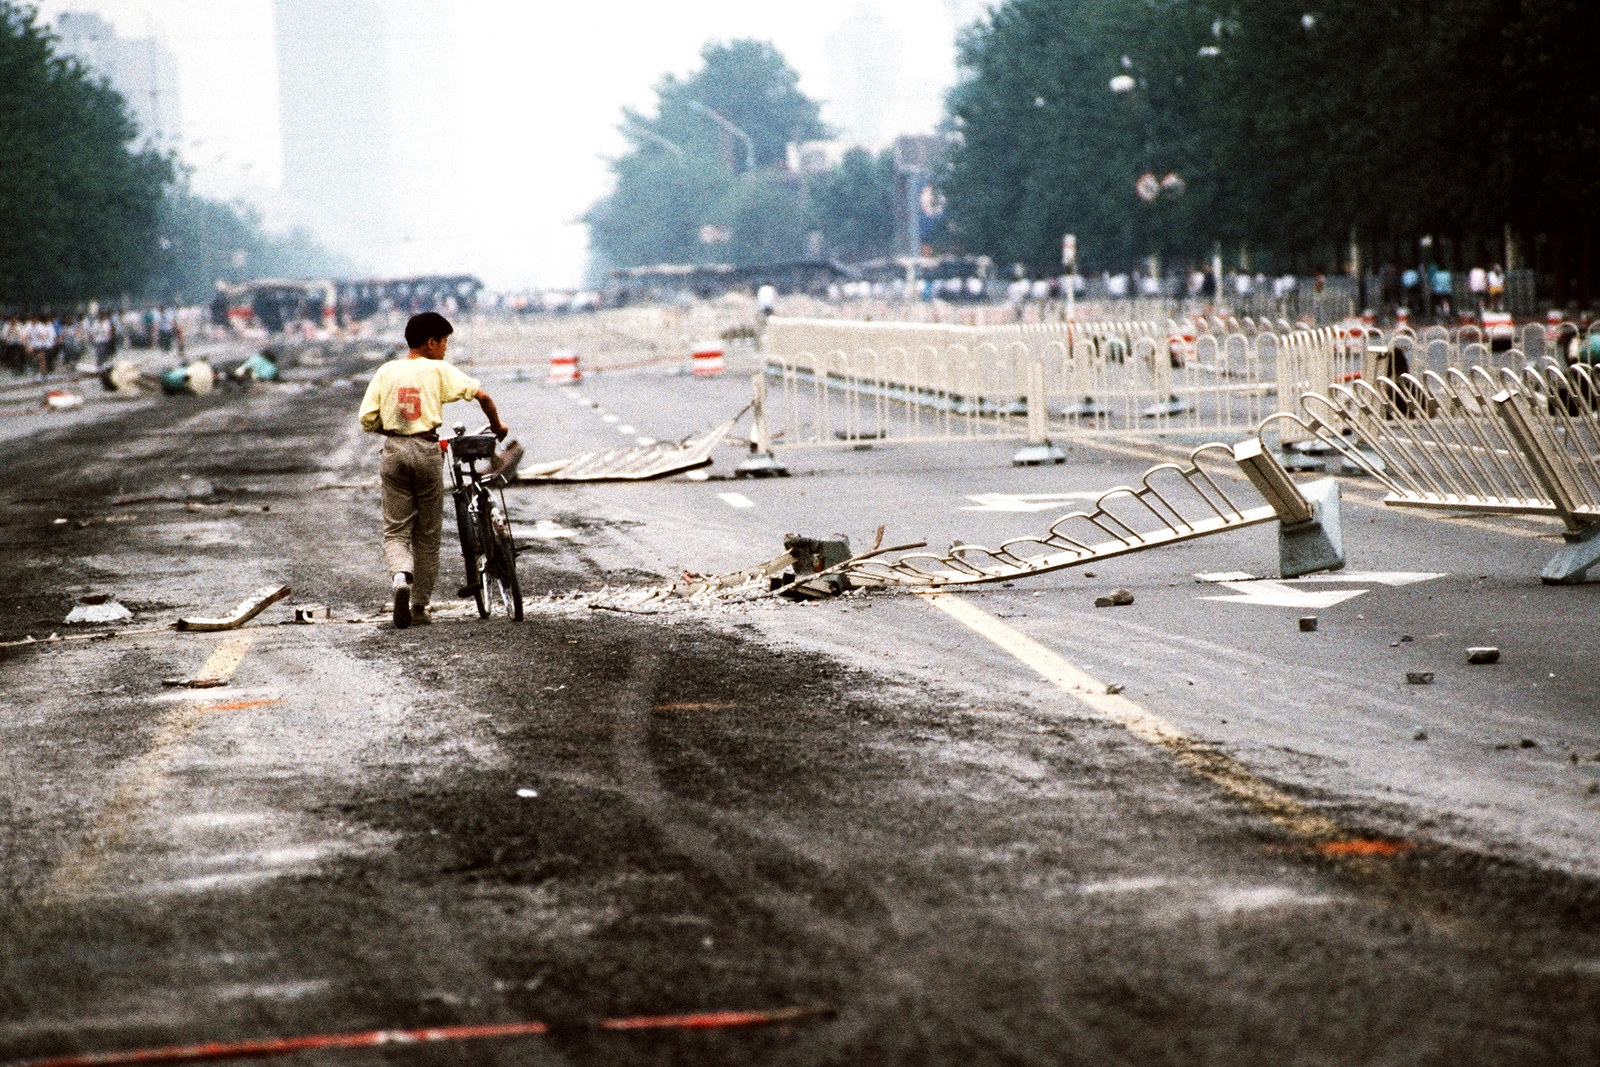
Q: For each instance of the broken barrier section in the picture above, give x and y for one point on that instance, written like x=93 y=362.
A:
x=1173 y=503
x=1518 y=442
x=639 y=464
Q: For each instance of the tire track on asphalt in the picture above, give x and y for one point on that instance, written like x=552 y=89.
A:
x=147 y=777
x=1200 y=757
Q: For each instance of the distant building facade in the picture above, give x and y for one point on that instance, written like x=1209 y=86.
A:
x=142 y=69
x=333 y=100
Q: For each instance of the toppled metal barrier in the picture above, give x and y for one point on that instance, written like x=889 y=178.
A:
x=1172 y=503
x=1521 y=442
x=639 y=464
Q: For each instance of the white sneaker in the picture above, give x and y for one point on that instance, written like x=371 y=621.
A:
x=402 y=601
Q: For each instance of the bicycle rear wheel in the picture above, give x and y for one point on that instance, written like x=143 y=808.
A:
x=497 y=556
x=467 y=531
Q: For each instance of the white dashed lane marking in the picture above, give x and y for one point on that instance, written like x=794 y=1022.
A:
x=627 y=430
x=736 y=500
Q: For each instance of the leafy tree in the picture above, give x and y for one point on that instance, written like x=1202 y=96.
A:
x=204 y=241
x=686 y=170
x=854 y=206
x=79 y=210
x=767 y=218
x=749 y=84
x=1292 y=127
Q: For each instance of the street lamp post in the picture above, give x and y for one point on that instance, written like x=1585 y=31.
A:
x=651 y=135
x=723 y=121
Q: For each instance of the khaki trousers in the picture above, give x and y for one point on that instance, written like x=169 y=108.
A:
x=413 y=511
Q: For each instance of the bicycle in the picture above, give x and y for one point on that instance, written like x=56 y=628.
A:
x=483 y=525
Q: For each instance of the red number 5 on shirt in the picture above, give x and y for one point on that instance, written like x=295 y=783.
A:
x=410 y=400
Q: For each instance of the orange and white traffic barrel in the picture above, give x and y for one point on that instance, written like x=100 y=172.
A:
x=708 y=361
x=563 y=367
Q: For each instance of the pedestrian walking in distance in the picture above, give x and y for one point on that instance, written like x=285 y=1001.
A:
x=405 y=403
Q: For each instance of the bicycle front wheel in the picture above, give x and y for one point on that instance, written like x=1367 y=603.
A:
x=510 y=588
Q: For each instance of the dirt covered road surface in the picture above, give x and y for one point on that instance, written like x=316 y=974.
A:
x=594 y=814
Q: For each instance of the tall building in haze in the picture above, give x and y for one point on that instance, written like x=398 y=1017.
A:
x=864 y=74
x=142 y=69
x=333 y=101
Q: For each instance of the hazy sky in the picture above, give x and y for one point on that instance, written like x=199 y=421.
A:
x=539 y=87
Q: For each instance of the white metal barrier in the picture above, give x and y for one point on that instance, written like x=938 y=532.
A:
x=606 y=339
x=1515 y=440
x=939 y=381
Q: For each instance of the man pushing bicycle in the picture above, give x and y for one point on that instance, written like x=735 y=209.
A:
x=405 y=402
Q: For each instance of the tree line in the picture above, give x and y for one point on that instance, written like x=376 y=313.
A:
x=88 y=213
x=1295 y=136
x=706 y=178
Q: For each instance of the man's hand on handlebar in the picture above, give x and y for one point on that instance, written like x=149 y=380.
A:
x=500 y=431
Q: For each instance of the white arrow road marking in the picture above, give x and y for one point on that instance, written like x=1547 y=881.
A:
x=1391 y=578
x=1025 y=502
x=736 y=500
x=1279 y=595
x=1380 y=577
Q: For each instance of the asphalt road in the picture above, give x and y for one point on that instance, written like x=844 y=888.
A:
x=926 y=815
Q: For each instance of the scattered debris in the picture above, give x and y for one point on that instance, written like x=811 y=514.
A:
x=309 y=613
x=814 y=557
x=1308 y=624
x=1419 y=677
x=1420 y=735
x=123 y=377
x=1528 y=742
x=98 y=607
x=1114 y=688
x=1501 y=746
x=248 y=609
x=197 y=378
x=263 y=1048
x=1483 y=655
x=194 y=683
x=1118 y=598
x=1406 y=639
x=640 y=464
x=527 y=794
x=61 y=400
x=1364 y=848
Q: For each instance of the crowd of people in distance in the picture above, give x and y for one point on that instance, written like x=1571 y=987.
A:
x=40 y=344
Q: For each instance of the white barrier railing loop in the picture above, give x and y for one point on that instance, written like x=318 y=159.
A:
x=1521 y=442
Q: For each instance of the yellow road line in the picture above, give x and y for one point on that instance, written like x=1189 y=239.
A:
x=1228 y=774
x=148 y=775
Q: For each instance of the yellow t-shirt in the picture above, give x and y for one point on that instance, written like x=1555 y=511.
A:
x=408 y=395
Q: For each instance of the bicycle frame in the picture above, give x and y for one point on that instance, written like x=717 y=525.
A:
x=484 y=528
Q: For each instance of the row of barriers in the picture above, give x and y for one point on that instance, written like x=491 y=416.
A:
x=1512 y=440
x=832 y=382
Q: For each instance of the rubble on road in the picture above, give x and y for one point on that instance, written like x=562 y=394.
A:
x=247 y=609
x=640 y=464
x=1483 y=655
x=61 y=400
x=1117 y=598
x=808 y=569
x=98 y=607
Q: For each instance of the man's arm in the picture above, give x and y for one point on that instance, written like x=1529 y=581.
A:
x=371 y=419
x=486 y=402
